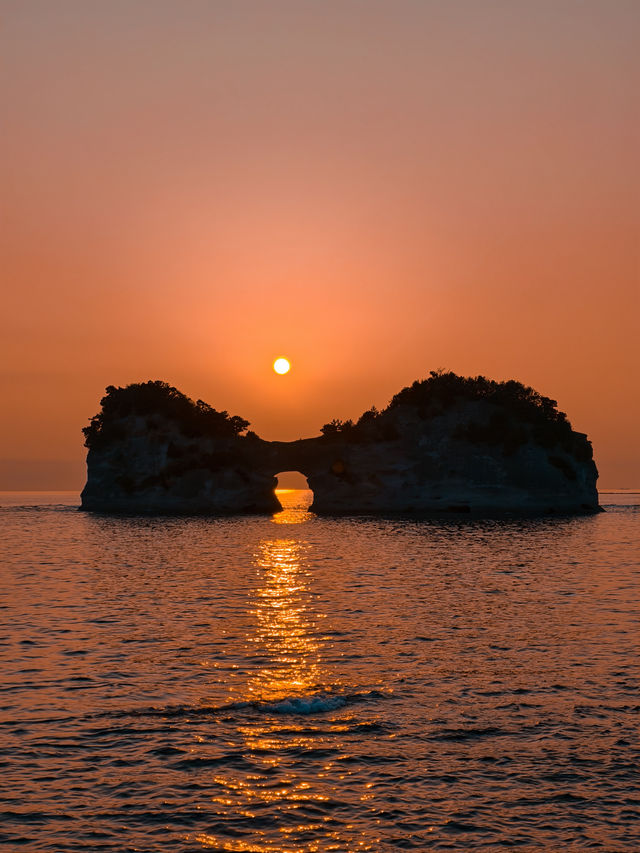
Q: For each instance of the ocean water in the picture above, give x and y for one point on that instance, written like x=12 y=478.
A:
x=304 y=684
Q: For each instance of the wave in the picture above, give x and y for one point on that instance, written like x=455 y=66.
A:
x=315 y=703
x=307 y=704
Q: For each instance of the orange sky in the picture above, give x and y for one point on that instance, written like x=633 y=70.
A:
x=373 y=189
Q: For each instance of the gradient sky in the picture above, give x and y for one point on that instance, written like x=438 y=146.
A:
x=372 y=189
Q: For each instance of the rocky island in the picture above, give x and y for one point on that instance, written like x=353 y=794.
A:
x=446 y=445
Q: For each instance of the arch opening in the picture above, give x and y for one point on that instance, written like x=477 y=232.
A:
x=291 y=480
x=294 y=496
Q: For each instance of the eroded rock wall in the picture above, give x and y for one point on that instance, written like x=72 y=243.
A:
x=431 y=468
x=157 y=469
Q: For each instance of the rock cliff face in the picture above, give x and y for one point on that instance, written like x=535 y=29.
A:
x=432 y=468
x=153 y=450
x=445 y=446
x=164 y=471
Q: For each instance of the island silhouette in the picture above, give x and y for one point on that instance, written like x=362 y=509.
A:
x=446 y=445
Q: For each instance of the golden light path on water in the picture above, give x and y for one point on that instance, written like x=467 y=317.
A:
x=287 y=634
x=285 y=629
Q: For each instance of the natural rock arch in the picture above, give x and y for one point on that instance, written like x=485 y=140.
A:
x=445 y=445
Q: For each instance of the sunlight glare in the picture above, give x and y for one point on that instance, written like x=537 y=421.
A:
x=281 y=365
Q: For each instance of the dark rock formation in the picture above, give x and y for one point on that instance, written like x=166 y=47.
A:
x=445 y=445
x=153 y=450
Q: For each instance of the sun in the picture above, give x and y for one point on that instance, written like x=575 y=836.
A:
x=281 y=365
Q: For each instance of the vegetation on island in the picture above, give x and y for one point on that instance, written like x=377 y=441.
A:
x=511 y=416
x=515 y=415
x=156 y=398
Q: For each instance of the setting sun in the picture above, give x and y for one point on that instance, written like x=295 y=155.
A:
x=281 y=365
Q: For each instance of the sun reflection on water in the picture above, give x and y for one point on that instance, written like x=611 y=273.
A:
x=286 y=628
x=286 y=625
x=295 y=506
x=286 y=650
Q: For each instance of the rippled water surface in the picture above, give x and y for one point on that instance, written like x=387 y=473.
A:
x=304 y=684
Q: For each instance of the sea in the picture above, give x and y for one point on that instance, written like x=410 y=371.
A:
x=293 y=683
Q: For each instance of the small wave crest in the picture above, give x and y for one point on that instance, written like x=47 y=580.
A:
x=307 y=704
x=315 y=703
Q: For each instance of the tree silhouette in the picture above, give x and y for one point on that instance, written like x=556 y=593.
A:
x=156 y=398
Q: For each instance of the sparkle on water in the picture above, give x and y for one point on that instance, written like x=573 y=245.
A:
x=295 y=683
